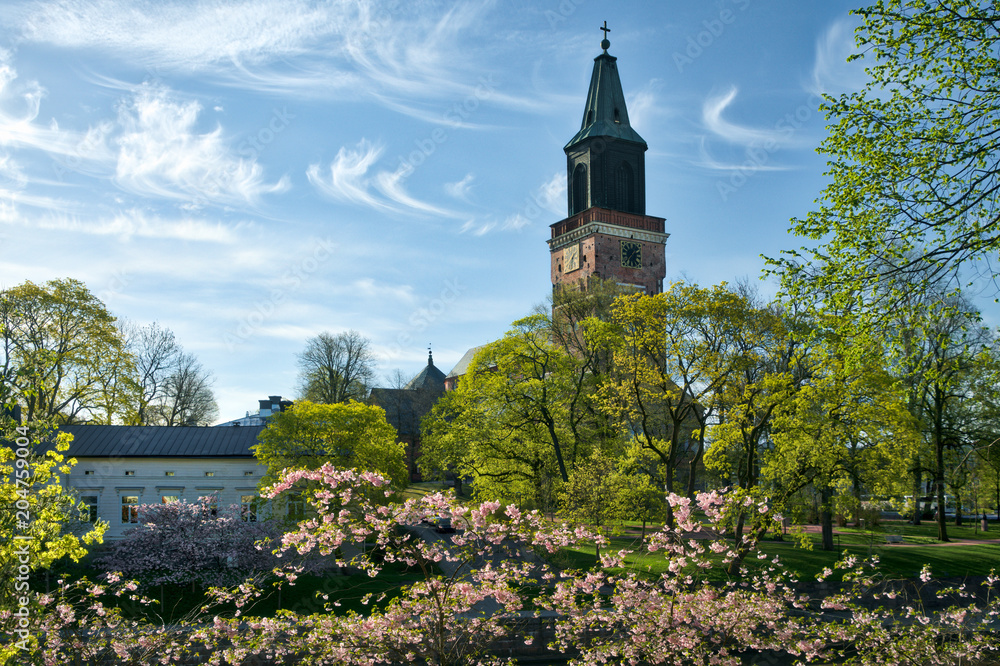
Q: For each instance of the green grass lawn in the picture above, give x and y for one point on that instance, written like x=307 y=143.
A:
x=174 y=602
x=953 y=561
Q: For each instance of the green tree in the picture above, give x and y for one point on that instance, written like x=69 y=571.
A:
x=515 y=424
x=847 y=426
x=39 y=514
x=349 y=435
x=61 y=352
x=913 y=156
x=594 y=493
x=336 y=368
x=683 y=358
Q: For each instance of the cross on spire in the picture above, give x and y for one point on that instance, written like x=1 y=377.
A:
x=605 y=44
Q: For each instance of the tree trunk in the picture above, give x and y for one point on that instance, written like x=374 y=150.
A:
x=693 y=465
x=734 y=566
x=958 y=509
x=939 y=463
x=858 y=512
x=826 y=517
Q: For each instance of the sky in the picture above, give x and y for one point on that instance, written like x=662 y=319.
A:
x=252 y=173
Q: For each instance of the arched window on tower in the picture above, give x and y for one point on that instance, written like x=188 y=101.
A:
x=625 y=188
x=580 y=198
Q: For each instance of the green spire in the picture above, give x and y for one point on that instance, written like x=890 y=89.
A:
x=605 y=114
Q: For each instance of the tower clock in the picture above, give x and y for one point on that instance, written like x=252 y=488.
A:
x=607 y=234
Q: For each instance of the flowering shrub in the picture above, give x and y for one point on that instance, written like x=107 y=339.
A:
x=182 y=542
x=479 y=585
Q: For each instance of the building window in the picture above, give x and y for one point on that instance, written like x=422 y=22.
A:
x=209 y=473
x=167 y=499
x=296 y=507
x=211 y=505
x=130 y=472
x=248 y=508
x=88 y=472
x=580 y=197
x=248 y=473
x=625 y=188
x=89 y=512
x=168 y=474
x=130 y=508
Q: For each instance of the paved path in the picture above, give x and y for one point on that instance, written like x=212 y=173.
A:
x=880 y=539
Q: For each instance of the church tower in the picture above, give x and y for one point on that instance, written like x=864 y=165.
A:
x=607 y=233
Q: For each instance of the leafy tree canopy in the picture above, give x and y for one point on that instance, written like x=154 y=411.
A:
x=350 y=435
x=914 y=156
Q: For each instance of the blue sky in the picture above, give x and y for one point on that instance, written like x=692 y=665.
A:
x=252 y=173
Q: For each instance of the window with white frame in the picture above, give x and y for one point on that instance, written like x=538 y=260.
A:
x=130 y=509
x=248 y=508
x=89 y=512
x=296 y=507
x=167 y=499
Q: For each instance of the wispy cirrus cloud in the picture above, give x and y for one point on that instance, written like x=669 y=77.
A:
x=161 y=154
x=461 y=188
x=712 y=116
x=20 y=104
x=706 y=161
x=832 y=74
x=399 y=54
x=549 y=197
x=125 y=225
x=348 y=179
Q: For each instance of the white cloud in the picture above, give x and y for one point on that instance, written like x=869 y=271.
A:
x=20 y=103
x=552 y=194
x=548 y=197
x=123 y=225
x=755 y=159
x=382 y=292
x=398 y=53
x=477 y=227
x=179 y=34
x=460 y=189
x=349 y=181
x=831 y=73
x=161 y=154
x=645 y=106
x=711 y=114
x=391 y=185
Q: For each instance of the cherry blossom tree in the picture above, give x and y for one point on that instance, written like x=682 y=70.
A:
x=184 y=542
x=480 y=585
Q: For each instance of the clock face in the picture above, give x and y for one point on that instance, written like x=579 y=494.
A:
x=571 y=258
x=631 y=254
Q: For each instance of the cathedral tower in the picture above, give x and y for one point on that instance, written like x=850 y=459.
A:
x=607 y=234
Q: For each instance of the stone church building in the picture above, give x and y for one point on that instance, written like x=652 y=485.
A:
x=606 y=234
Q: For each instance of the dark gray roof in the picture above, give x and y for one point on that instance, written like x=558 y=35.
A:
x=604 y=99
x=463 y=363
x=104 y=441
x=429 y=378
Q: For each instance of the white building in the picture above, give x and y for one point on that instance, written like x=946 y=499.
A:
x=120 y=467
